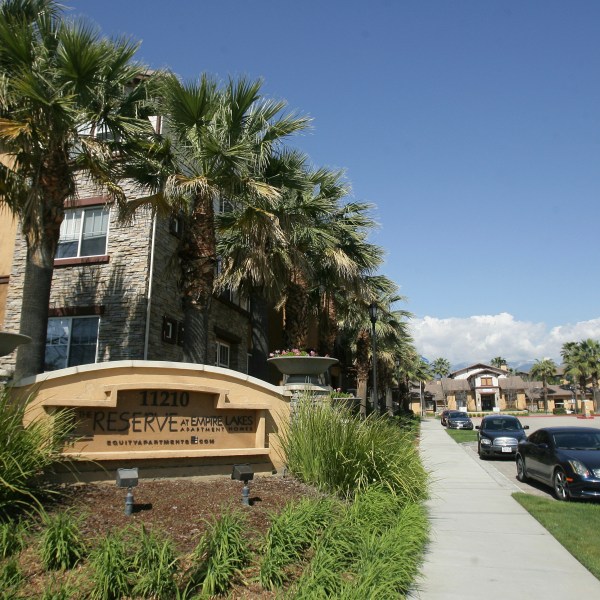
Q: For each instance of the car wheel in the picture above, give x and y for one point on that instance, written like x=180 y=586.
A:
x=482 y=456
x=559 y=481
x=521 y=469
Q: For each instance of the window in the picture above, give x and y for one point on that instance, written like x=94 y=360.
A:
x=71 y=341
x=486 y=381
x=83 y=232
x=224 y=206
x=222 y=354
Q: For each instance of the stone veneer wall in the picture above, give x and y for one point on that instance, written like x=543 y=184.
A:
x=120 y=289
x=166 y=295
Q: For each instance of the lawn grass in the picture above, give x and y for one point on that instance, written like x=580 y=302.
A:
x=462 y=435
x=573 y=524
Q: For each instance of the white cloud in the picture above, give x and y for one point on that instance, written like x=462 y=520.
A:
x=481 y=338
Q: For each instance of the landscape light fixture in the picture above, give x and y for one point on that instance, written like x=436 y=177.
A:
x=127 y=478
x=243 y=473
x=373 y=317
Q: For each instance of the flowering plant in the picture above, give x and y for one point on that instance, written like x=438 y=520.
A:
x=337 y=393
x=293 y=352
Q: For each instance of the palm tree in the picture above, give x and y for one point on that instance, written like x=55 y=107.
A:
x=582 y=361
x=544 y=369
x=301 y=250
x=576 y=368
x=223 y=140
x=498 y=362
x=440 y=367
x=68 y=109
x=590 y=354
x=415 y=369
x=356 y=327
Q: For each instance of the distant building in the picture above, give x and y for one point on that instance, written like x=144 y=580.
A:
x=483 y=388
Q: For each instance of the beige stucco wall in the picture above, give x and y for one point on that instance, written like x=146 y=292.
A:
x=131 y=413
x=8 y=229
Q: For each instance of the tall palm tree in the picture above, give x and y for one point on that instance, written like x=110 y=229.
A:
x=356 y=327
x=223 y=140
x=440 y=367
x=300 y=250
x=544 y=369
x=576 y=368
x=415 y=369
x=582 y=362
x=590 y=354
x=61 y=84
x=498 y=362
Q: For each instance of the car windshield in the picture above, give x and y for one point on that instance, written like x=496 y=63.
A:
x=502 y=424
x=575 y=440
x=458 y=416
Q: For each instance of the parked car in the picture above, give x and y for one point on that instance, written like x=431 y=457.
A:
x=444 y=417
x=459 y=420
x=499 y=435
x=565 y=458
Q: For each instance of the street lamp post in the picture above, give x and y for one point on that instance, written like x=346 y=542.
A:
x=397 y=363
x=373 y=316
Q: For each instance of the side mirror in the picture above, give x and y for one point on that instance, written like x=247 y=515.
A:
x=525 y=426
x=477 y=427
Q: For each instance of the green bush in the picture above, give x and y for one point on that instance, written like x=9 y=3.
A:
x=155 y=565
x=559 y=410
x=11 y=578
x=27 y=452
x=292 y=532
x=62 y=545
x=110 y=569
x=338 y=452
x=220 y=555
x=12 y=537
x=373 y=550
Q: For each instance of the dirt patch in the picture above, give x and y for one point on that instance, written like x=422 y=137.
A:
x=179 y=508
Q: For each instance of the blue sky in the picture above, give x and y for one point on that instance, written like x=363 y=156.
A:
x=473 y=126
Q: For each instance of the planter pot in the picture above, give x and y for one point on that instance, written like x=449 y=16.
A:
x=303 y=370
x=9 y=341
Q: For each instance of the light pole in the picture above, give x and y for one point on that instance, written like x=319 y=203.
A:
x=373 y=316
x=397 y=363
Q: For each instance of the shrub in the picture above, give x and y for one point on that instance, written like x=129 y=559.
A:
x=62 y=545
x=27 y=452
x=292 y=532
x=337 y=451
x=12 y=534
x=559 y=410
x=372 y=551
x=155 y=566
x=10 y=579
x=220 y=555
x=110 y=569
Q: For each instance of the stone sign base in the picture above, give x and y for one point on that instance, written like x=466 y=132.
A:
x=167 y=419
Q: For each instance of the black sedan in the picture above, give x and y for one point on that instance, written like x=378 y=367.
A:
x=459 y=420
x=499 y=435
x=565 y=458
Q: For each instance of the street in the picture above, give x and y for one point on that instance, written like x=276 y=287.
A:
x=505 y=469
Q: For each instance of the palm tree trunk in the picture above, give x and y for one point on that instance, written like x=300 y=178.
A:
x=34 y=308
x=296 y=316
x=198 y=257
x=545 y=395
x=362 y=370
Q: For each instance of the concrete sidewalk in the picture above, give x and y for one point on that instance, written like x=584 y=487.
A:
x=483 y=544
